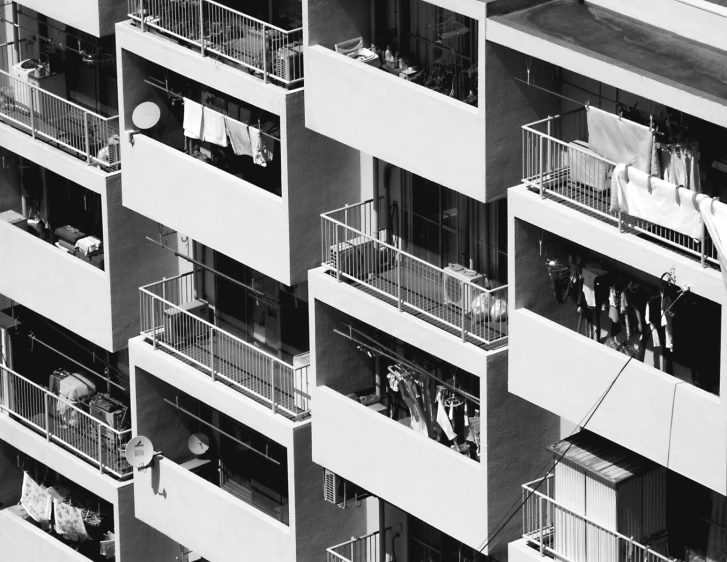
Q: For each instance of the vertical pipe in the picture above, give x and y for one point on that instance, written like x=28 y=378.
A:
x=47 y=416
x=201 y=26
x=382 y=531
x=32 y=112
x=703 y=244
x=212 y=353
x=540 y=526
x=16 y=36
x=100 y=448
x=540 y=165
x=265 y=53
x=87 y=137
x=142 y=16
x=375 y=206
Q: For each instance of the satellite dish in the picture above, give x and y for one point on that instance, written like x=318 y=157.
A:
x=198 y=443
x=146 y=115
x=139 y=451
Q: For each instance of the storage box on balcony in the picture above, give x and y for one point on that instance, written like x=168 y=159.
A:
x=613 y=487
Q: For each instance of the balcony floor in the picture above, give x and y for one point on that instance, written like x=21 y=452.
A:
x=429 y=310
x=197 y=352
x=67 y=129
x=564 y=190
x=75 y=439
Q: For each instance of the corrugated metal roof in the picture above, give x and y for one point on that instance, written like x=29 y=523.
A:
x=602 y=457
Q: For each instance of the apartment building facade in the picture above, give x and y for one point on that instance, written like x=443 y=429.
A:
x=363 y=275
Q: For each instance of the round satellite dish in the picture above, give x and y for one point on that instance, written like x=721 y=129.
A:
x=198 y=443
x=139 y=451
x=146 y=115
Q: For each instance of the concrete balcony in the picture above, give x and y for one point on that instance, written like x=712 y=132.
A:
x=96 y=17
x=64 y=425
x=384 y=455
x=669 y=60
x=168 y=498
x=91 y=302
x=646 y=411
x=173 y=322
x=211 y=205
x=267 y=489
x=272 y=53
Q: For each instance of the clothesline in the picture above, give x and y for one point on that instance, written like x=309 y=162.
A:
x=180 y=97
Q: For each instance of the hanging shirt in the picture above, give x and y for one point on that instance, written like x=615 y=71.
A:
x=590 y=274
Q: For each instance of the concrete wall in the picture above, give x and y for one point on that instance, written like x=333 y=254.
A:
x=96 y=17
x=135 y=540
x=322 y=175
x=405 y=124
x=131 y=261
x=396 y=464
x=517 y=434
x=207 y=519
x=698 y=20
x=508 y=106
x=318 y=524
x=21 y=540
x=57 y=285
x=326 y=23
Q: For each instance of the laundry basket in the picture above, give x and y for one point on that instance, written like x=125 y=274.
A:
x=354 y=48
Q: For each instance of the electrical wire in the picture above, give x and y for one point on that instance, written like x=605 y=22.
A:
x=582 y=424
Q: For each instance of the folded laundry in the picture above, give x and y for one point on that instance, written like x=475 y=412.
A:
x=88 y=245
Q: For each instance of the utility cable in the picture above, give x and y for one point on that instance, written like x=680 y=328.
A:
x=582 y=424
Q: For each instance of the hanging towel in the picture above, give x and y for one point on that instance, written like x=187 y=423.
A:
x=630 y=194
x=69 y=521
x=193 y=119
x=262 y=147
x=714 y=215
x=239 y=137
x=619 y=140
x=35 y=500
x=214 y=127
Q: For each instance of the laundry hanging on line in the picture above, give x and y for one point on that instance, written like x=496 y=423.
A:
x=620 y=140
x=639 y=195
x=35 y=500
x=193 y=119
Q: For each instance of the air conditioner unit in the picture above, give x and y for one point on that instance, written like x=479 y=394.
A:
x=455 y=277
x=340 y=491
x=179 y=328
x=587 y=168
x=355 y=257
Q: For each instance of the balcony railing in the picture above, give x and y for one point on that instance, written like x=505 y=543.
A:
x=561 y=533
x=61 y=123
x=351 y=251
x=170 y=321
x=554 y=164
x=65 y=424
x=217 y=30
x=362 y=549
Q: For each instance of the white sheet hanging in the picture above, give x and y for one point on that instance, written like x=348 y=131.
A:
x=714 y=215
x=192 y=124
x=35 y=500
x=661 y=206
x=620 y=140
x=214 y=127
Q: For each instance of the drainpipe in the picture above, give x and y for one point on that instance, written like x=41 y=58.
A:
x=388 y=170
x=375 y=206
x=16 y=36
x=382 y=531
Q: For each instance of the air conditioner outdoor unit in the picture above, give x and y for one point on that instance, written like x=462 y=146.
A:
x=455 y=277
x=340 y=491
x=355 y=256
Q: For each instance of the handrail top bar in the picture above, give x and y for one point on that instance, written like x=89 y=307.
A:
x=409 y=256
x=351 y=541
x=570 y=146
x=218 y=329
x=592 y=522
x=549 y=118
x=64 y=400
x=63 y=99
x=251 y=17
x=186 y=274
x=348 y=207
